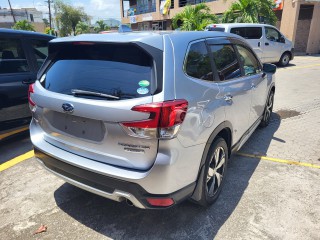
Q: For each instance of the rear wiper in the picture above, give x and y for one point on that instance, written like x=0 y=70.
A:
x=90 y=93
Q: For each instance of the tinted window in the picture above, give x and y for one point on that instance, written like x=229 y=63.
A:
x=124 y=71
x=248 y=32
x=12 y=57
x=272 y=34
x=40 y=49
x=250 y=64
x=226 y=61
x=198 y=63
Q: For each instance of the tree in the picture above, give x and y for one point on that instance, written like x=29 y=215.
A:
x=68 y=17
x=101 y=26
x=194 y=18
x=250 y=11
x=23 y=25
x=46 y=22
x=82 y=27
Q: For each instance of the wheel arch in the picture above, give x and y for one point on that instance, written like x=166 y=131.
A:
x=223 y=130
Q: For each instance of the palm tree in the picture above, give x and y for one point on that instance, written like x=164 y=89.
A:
x=82 y=27
x=23 y=25
x=101 y=26
x=194 y=18
x=250 y=11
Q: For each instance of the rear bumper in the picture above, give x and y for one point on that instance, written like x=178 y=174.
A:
x=111 y=188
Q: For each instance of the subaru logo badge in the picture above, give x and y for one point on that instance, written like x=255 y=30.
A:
x=67 y=107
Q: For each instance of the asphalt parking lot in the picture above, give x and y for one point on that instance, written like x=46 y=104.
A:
x=272 y=189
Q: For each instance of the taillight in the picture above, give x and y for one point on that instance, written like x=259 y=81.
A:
x=164 y=120
x=31 y=90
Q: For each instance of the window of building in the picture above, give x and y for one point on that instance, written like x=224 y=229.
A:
x=248 y=32
x=226 y=61
x=40 y=49
x=272 y=34
x=249 y=62
x=12 y=57
x=198 y=63
x=31 y=18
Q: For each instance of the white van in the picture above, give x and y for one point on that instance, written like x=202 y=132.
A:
x=269 y=44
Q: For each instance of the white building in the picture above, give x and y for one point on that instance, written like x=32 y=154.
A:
x=32 y=15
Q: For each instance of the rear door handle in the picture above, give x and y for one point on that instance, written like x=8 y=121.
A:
x=267 y=44
x=228 y=98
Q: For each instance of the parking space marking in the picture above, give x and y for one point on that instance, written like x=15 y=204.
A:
x=16 y=160
x=3 y=136
x=290 y=162
x=306 y=66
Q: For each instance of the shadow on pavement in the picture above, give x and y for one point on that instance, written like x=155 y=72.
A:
x=14 y=146
x=184 y=221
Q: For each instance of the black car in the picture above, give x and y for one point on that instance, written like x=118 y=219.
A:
x=21 y=55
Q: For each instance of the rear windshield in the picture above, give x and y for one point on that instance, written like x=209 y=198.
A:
x=248 y=32
x=121 y=71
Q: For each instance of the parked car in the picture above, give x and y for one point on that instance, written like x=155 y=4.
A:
x=21 y=55
x=150 y=118
x=268 y=42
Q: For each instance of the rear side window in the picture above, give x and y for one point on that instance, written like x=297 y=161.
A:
x=12 y=57
x=226 y=61
x=123 y=71
x=248 y=32
x=198 y=63
x=40 y=50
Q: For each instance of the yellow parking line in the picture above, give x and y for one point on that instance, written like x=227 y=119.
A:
x=16 y=160
x=299 y=67
x=280 y=160
x=3 y=136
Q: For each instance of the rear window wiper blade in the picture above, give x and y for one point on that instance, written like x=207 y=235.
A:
x=91 y=93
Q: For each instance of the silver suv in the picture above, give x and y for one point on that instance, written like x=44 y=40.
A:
x=150 y=118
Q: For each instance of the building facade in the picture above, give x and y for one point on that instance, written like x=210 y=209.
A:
x=299 y=20
x=32 y=15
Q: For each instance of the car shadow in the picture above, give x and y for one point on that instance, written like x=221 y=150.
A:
x=287 y=66
x=14 y=146
x=183 y=221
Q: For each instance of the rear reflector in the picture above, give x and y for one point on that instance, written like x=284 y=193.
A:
x=160 y=202
x=164 y=120
x=31 y=90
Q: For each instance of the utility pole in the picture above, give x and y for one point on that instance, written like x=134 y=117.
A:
x=14 y=18
x=50 y=19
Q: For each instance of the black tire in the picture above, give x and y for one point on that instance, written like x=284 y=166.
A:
x=212 y=181
x=267 y=110
x=285 y=59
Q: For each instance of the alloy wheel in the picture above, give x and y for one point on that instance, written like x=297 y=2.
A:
x=216 y=171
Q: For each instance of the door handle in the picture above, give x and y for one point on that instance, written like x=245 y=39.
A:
x=228 y=98
x=259 y=44
x=267 y=44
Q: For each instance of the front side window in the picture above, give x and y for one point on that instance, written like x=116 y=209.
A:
x=123 y=71
x=198 y=63
x=40 y=50
x=226 y=61
x=272 y=34
x=248 y=32
x=12 y=57
x=249 y=62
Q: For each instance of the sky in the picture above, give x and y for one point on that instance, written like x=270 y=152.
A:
x=97 y=9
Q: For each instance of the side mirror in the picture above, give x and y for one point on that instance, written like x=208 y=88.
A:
x=282 y=39
x=269 y=68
